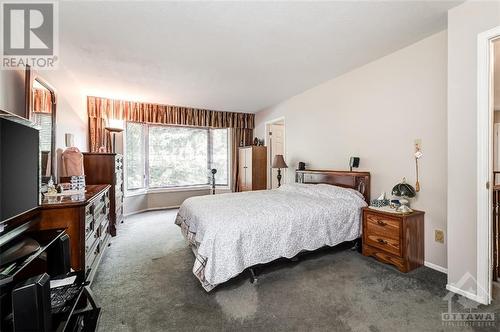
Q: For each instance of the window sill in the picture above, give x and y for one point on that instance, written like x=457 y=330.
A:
x=132 y=193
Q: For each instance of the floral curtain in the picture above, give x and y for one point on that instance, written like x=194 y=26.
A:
x=101 y=110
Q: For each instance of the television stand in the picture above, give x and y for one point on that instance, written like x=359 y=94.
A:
x=83 y=313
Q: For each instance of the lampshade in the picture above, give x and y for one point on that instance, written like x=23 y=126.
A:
x=404 y=189
x=115 y=125
x=279 y=162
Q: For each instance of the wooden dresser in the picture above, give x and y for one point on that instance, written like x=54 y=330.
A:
x=86 y=220
x=252 y=168
x=394 y=238
x=107 y=168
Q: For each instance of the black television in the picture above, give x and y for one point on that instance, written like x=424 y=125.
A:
x=19 y=166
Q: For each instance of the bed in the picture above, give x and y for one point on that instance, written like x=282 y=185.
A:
x=232 y=232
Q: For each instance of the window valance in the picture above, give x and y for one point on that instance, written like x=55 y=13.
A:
x=166 y=114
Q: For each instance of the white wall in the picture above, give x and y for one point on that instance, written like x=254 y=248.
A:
x=71 y=107
x=12 y=96
x=71 y=103
x=375 y=112
x=465 y=22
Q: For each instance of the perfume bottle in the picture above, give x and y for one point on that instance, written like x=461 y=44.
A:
x=51 y=188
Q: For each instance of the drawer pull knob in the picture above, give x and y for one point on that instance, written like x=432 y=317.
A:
x=381 y=223
x=382 y=241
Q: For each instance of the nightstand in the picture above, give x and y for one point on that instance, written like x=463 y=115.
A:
x=394 y=238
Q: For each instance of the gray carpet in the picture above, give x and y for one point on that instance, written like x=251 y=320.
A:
x=145 y=283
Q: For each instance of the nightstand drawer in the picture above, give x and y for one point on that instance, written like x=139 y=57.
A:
x=381 y=225
x=392 y=238
x=385 y=243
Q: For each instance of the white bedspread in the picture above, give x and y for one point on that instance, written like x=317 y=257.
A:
x=232 y=232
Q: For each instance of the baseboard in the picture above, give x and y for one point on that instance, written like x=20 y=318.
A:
x=459 y=291
x=151 y=209
x=436 y=267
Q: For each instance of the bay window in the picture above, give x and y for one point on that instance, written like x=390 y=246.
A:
x=161 y=156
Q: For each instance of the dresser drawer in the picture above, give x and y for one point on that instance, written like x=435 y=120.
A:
x=118 y=166
x=393 y=238
x=383 y=226
x=91 y=240
x=91 y=243
x=104 y=228
x=119 y=187
x=387 y=244
x=91 y=258
x=118 y=197
x=89 y=224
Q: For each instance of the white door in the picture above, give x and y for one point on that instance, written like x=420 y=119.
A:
x=248 y=169
x=277 y=146
x=242 y=168
x=496 y=151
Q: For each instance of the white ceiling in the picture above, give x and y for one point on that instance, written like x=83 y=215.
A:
x=231 y=56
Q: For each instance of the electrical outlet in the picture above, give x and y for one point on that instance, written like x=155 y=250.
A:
x=439 y=236
x=418 y=144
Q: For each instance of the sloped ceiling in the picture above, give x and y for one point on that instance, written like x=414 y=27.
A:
x=231 y=56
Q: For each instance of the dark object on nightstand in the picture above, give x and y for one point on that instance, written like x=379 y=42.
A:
x=353 y=163
x=393 y=238
x=405 y=191
x=302 y=166
x=107 y=168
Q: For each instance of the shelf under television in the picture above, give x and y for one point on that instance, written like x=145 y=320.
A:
x=46 y=238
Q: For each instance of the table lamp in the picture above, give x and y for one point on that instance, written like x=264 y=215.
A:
x=279 y=163
x=405 y=191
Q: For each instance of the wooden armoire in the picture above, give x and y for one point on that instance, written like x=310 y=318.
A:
x=107 y=168
x=252 y=168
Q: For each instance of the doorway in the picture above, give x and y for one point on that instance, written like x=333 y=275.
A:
x=495 y=81
x=275 y=141
x=488 y=148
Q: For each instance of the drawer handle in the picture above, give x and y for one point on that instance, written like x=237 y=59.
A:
x=382 y=241
x=381 y=223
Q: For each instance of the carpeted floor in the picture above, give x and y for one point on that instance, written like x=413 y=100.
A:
x=145 y=283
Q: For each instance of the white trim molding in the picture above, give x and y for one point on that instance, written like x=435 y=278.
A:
x=436 y=267
x=150 y=209
x=484 y=164
x=269 y=157
x=460 y=291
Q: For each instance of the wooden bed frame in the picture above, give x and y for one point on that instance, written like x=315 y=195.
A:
x=359 y=181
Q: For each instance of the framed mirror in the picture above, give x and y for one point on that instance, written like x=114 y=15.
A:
x=41 y=109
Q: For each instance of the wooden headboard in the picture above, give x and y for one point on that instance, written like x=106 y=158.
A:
x=359 y=181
